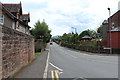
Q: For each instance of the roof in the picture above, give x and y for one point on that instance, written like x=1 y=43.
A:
x=25 y=17
x=105 y=22
x=86 y=37
x=9 y=9
x=116 y=29
x=13 y=7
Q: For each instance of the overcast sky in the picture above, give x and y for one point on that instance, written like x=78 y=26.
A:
x=61 y=15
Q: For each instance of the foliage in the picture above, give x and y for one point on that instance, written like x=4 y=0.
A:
x=99 y=30
x=73 y=40
x=38 y=53
x=41 y=31
x=70 y=38
x=88 y=32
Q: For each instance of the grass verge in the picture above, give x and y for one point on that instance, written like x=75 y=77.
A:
x=38 y=53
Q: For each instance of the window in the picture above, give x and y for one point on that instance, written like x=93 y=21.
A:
x=1 y=19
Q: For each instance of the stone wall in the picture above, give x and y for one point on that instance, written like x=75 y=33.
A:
x=38 y=45
x=17 y=50
x=0 y=53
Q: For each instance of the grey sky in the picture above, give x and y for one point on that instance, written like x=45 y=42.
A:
x=61 y=15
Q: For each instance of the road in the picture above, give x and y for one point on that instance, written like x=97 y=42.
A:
x=67 y=63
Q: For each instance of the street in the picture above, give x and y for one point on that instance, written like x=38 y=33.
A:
x=67 y=63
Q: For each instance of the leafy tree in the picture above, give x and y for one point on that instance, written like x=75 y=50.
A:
x=100 y=31
x=88 y=32
x=41 y=31
x=92 y=34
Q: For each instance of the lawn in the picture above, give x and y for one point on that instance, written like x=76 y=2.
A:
x=38 y=53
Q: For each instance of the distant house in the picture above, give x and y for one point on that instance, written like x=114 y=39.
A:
x=104 y=30
x=13 y=17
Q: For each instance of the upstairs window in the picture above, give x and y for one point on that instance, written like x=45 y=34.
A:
x=1 y=19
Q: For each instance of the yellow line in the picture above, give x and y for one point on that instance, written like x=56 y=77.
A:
x=56 y=73
x=52 y=74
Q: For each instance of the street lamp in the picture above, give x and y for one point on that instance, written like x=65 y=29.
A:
x=110 y=31
x=75 y=29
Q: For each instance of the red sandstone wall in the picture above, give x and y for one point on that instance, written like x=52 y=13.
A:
x=0 y=46
x=115 y=40
x=0 y=52
x=17 y=50
x=116 y=19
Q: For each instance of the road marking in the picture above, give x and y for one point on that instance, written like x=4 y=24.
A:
x=60 y=72
x=52 y=75
x=55 y=74
x=46 y=68
x=56 y=67
x=71 y=55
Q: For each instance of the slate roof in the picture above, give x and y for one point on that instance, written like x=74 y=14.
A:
x=13 y=7
x=116 y=29
x=25 y=17
x=105 y=22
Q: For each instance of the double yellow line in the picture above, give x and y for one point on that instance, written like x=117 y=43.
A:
x=55 y=74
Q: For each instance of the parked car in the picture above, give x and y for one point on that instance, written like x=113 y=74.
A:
x=51 y=43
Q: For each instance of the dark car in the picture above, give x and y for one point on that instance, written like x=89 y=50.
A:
x=51 y=43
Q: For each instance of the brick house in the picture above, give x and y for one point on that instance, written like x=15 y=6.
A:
x=113 y=25
x=12 y=16
x=16 y=43
x=114 y=28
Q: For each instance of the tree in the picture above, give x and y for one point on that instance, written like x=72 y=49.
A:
x=88 y=32
x=92 y=34
x=41 y=31
x=100 y=31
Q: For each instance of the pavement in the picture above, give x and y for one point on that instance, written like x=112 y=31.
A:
x=36 y=68
x=67 y=63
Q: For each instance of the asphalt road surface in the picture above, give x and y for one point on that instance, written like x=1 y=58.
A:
x=68 y=63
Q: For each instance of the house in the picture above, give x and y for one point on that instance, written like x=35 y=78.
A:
x=16 y=43
x=12 y=15
x=111 y=30
x=114 y=32
x=102 y=32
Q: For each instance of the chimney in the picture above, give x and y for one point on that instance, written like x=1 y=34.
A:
x=118 y=5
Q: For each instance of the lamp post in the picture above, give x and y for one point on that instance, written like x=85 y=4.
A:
x=110 y=31
x=75 y=29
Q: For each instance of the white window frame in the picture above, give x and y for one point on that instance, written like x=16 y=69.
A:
x=2 y=18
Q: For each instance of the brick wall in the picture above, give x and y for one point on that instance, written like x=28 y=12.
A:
x=38 y=45
x=115 y=18
x=17 y=50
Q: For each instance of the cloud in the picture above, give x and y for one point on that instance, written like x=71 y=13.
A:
x=61 y=15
